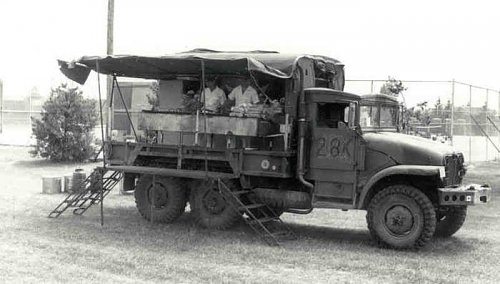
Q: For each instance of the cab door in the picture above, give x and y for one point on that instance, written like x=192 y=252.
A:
x=336 y=151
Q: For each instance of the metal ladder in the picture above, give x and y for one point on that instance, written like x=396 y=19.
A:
x=260 y=217
x=94 y=188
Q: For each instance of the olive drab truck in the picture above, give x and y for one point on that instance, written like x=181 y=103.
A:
x=307 y=144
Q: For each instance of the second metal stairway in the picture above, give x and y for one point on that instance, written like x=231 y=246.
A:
x=263 y=220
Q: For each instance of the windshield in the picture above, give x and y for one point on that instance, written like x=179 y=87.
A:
x=372 y=116
x=388 y=117
x=369 y=116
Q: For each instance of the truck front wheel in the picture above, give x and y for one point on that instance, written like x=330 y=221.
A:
x=161 y=199
x=401 y=217
x=211 y=208
x=450 y=220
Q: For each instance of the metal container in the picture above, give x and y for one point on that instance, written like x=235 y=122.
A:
x=79 y=177
x=51 y=185
x=68 y=183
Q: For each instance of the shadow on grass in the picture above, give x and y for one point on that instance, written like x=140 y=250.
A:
x=125 y=224
x=451 y=246
x=321 y=233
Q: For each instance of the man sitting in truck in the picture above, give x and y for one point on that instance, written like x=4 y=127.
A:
x=243 y=94
x=332 y=115
x=214 y=96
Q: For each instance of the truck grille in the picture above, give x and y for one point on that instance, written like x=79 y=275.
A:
x=455 y=170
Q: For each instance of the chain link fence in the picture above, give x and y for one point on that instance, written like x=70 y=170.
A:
x=15 y=127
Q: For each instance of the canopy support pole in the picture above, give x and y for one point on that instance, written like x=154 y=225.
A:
x=204 y=115
x=101 y=174
x=110 y=118
x=101 y=116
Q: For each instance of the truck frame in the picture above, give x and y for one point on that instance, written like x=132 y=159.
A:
x=314 y=153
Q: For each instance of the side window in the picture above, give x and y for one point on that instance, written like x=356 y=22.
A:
x=333 y=115
x=296 y=81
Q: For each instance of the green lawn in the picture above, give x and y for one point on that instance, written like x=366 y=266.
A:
x=332 y=245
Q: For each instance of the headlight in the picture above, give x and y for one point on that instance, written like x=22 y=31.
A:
x=442 y=172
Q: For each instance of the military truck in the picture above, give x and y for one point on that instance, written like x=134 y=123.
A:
x=308 y=150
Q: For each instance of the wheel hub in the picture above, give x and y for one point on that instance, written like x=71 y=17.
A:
x=399 y=220
x=214 y=202
x=157 y=195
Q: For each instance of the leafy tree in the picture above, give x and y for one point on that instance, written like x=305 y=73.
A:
x=64 y=132
x=423 y=114
x=392 y=87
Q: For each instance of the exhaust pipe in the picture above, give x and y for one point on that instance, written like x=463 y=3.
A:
x=302 y=127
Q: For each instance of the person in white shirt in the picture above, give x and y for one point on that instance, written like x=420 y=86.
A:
x=244 y=94
x=213 y=96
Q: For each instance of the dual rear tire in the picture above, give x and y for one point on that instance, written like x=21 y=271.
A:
x=210 y=207
x=164 y=199
x=160 y=199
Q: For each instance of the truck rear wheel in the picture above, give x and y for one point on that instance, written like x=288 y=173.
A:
x=161 y=199
x=450 y=220
x=401 y=217
x=211 y=208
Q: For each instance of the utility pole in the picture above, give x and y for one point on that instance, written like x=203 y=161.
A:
x=109 y=51
x=1 y=106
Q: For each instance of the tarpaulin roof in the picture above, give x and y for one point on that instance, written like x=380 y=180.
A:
x=189 y=63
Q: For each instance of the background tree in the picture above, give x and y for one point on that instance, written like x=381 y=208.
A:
x=392 y=87
x=423 y=113
x=64 y=132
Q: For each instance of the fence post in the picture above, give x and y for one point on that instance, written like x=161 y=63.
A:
x=371 y=87
x=452 y=109
x=470 y=123
x=487 y=125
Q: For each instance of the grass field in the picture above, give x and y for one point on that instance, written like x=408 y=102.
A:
x=332 y=246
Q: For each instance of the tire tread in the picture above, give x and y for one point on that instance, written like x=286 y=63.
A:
x=420 y=198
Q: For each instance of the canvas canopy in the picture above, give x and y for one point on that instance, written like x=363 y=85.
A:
x=189 y=64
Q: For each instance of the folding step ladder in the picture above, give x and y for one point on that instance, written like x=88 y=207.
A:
x=260 y=217
x=91 y=191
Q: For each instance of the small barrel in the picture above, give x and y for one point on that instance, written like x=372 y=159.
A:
x=68 y=183
x=51 y=185
x=78 y=177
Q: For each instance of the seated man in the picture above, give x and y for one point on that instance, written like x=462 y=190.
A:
x=332 y=115
x=244 y=94
x=214 y=96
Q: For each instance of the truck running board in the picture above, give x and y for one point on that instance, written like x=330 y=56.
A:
x=260 y=217
x=92 y=190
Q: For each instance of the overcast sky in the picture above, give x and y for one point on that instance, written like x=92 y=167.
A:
x=418 y=40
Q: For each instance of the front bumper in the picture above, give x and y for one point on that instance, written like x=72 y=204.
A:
x=471 y=194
